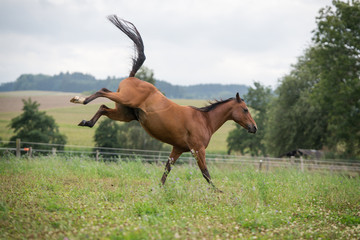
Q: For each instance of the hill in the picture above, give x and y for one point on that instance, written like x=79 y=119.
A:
x=79 y=82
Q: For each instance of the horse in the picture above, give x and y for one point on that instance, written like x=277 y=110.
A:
x=185 y=128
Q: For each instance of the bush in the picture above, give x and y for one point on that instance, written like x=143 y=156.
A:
x=35 y=126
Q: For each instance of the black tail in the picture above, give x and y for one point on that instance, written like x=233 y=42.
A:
x=130 y=30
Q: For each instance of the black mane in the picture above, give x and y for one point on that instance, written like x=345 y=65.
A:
x=212 y=105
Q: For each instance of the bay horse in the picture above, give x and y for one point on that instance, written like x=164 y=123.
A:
x=186 y=128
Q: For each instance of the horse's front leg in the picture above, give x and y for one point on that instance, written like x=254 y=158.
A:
x=174 y=155
x=199 y=156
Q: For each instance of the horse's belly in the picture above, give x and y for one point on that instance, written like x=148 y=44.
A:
x=164 y=128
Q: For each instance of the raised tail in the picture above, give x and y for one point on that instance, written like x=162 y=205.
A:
x=130 y=30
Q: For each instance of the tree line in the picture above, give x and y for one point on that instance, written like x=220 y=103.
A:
x=79 y=82
x=317 y=104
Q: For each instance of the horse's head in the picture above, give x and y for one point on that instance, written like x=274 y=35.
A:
x=242 y=116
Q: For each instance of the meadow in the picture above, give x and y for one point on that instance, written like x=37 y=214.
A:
x=68 y=115
x=77 y=198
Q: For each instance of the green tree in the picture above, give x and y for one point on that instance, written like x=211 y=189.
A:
x=127 y=135
x=239 y=140
x=337 y=41
x=35 y=126
x=146 y=74
x=106 y=135
x=293 y=121
x=138 y=138
x=318 y=101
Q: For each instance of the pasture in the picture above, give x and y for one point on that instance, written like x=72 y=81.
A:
x=68 y=115
x=78 y=198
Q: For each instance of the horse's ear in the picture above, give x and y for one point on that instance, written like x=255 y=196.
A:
x=238 y=98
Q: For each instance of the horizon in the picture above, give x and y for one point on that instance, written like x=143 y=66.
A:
x=120 y=78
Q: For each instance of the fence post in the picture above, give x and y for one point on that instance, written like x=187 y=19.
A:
x=159 y=158
x=18 y=143
x=30 y=152
x=301 y=164
x=97 y=155
x=53 y=151
x=267 y=164
x=292 y=160
x=260 y=165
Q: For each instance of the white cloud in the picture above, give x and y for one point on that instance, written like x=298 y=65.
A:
x=186 y=42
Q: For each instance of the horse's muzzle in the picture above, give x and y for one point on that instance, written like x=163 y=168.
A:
x=252 y=128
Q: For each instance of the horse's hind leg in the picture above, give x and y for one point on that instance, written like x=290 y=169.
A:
x=120 y=113
x=174 y=155
x=102 y=111
x=82 y=100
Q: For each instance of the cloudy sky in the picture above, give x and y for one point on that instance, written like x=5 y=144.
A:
x=186 y=42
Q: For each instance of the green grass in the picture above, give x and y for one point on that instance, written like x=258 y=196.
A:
x=77 y=198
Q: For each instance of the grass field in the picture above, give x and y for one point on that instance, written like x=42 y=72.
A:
x=73 y=198
x=68 y=115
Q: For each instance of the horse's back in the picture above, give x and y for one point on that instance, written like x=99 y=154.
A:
x=135 y=92
x=135 y=84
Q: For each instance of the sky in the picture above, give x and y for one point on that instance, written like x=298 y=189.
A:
x=186 y=42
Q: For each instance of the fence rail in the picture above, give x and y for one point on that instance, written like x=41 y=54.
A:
x=30 y=149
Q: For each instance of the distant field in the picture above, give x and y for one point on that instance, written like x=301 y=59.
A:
x=12 y=101
x=34 y=93
x=68 y=115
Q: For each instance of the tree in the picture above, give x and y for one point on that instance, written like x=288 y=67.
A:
x=318 y=101
x=146 y=74
x=293 y=121
x=337 y=40
x=239 y=140
x=35 y=126
x=106 y=135
x=127 y=135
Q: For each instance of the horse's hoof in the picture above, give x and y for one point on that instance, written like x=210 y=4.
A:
x=82 y=123
x=85 y=123
x=77 y=99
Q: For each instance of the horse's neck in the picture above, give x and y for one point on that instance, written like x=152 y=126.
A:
x=219 y=116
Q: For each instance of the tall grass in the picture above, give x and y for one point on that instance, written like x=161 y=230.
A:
x=78 y=198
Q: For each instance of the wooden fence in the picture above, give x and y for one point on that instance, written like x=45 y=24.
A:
x=30 y=149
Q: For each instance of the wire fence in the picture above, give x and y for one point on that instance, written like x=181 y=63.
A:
x=31 y=149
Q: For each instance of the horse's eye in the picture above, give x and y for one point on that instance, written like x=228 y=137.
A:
x=246 y=110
